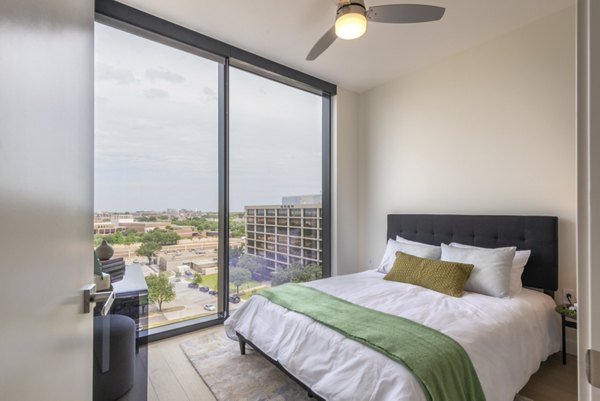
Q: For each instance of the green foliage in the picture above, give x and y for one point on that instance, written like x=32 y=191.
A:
x=281 y=276
x=254 y=264
x=161 y=237
x=234 y=255
x=197 y=278
x=200 y=223
x=237 y=228
x=98 y=240
x=238 y=277
x=297 y=273
x=126 y=237
x=210 y=222
x=212 y=281
x=146 y=219
x=148 y=249
x=567 y=310
x=159 y=289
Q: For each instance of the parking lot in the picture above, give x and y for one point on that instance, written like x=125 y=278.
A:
x=188 y=303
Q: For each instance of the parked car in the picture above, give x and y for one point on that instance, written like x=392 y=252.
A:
x=188 y=273
x=210 y=307
x=213 y=292
x=234 y=299
x=204 y=289
x=193 y=285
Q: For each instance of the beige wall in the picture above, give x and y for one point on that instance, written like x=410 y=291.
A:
x=344 y=162
x=491 y=130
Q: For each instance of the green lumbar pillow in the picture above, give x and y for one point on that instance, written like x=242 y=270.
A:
x=438 y=275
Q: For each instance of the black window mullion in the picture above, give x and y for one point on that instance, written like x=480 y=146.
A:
x=223 y=254
x=326 y=182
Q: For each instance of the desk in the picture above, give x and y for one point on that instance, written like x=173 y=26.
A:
x=131 y=298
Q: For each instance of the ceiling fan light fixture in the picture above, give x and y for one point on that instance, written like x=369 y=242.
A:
x=351 y=22
x=352 y=15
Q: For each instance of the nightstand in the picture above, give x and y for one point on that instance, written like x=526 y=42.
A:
x=567 y=320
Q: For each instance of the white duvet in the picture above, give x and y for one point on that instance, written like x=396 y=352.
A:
x=506 y=338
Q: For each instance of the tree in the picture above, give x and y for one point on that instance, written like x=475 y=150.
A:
x=201 y=223
x=234 y=255
x=281 y=276
x=237 y=228
x=251 y=263
x=131 y=237
x=310 y=272
x=197 y=278
x=161 y=237
x=159 y=289
x=238 y=277
x=296 y=273
x=148 y=249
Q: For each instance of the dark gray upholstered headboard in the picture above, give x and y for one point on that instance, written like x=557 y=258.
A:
x=538 y=233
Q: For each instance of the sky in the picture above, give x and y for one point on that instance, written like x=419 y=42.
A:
x=156 y=131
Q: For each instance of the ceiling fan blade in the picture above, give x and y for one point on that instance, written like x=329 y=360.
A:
x=322 y=45
x=405 y=13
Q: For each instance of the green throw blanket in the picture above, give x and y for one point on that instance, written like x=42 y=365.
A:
x=439 y=363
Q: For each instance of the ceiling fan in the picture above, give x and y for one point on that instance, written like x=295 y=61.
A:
x=352 y=16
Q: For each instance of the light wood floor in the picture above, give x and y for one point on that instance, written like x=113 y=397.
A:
x=554 y=381
x=171 y=377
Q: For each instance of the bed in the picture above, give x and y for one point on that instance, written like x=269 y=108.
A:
x=505 y=338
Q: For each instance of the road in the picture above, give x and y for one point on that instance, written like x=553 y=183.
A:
x=188 y=303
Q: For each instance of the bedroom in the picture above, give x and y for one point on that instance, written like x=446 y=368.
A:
x=500 y=93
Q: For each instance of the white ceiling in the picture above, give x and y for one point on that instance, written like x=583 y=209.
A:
x=285 y=30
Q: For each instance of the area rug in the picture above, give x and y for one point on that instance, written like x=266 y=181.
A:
x=235 y=377
x=231 y=376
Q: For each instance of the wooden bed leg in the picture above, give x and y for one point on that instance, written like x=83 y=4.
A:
x=242 y=346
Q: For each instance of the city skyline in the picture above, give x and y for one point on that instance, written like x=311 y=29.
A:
x=157 y=131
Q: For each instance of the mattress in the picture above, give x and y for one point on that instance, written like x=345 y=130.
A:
x=506 y=338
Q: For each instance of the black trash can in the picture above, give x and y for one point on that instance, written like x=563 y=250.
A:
x=114 y=356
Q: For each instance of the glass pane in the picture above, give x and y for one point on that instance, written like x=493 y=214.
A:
x=275 y=177
x=156 y=171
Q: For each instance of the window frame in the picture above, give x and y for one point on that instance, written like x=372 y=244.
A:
x=134 y=21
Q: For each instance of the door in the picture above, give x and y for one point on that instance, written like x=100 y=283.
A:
x=46 y=154
x=588 y=230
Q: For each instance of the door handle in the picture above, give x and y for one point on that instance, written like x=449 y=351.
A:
x=592 y=367
x=91 y=296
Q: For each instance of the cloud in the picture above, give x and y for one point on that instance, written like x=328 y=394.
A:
x=105 y=72
x=154 y=93
x=154 y=74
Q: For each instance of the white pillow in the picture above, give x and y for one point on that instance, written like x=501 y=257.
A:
x=518 y=266
x=491 y=272
x=407 y=241
x=389 y=257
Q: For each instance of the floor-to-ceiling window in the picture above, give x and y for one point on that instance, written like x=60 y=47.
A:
x=275 y=181
x=156 y=171
x=211 y=168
